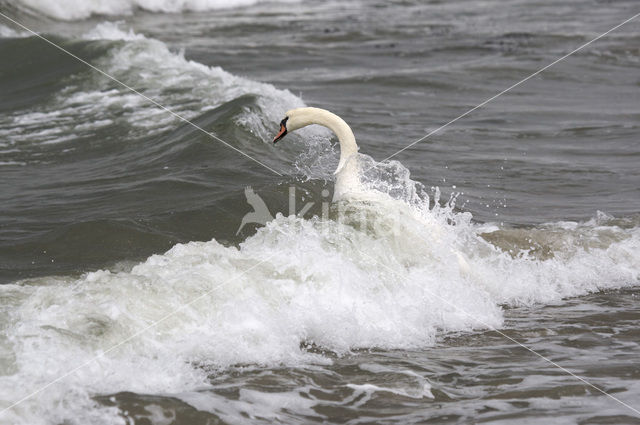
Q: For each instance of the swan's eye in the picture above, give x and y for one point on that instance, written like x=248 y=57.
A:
x=284 y=121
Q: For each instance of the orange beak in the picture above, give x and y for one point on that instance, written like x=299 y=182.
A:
x=281 y=133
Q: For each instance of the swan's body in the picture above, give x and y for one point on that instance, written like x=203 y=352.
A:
x=347 y=171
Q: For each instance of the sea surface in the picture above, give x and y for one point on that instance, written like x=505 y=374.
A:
x=132 y=293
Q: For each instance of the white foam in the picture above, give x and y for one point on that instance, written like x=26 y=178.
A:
x=369 y=389
x=6 y=32
x=112 y=31
x=385 y=271
x=81 y=9
x=186 y=87
x=392 y=282
x=418 y=388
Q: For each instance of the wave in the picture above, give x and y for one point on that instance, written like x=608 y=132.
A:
x=6 y=32
x=65 y=10
x=394 y=267
x=86 y=102
x=380 y=270
x=149 y=64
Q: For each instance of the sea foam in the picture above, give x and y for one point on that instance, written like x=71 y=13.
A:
x=6 y=32
x=81 y=9
x=186 y=87
x=385 y=274
x=390 y=267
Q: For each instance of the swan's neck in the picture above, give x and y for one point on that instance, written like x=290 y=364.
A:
x=348 y=146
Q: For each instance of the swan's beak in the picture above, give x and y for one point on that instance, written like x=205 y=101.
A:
x=281 y=133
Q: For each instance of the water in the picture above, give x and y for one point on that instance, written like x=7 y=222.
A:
x=380 y=309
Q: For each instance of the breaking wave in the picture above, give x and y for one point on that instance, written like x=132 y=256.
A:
x=393 y=267
x=82 y=9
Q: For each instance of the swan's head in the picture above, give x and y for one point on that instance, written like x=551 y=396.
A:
x=302 y=117
x=283 y=130
x=295 y=119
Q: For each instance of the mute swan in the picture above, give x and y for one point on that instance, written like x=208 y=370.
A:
x=347 y=171
x=347 y=181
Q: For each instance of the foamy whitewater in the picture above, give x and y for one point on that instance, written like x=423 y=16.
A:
x=390 y=276
x=391 y=268
x=162 y=71
x=80 y=9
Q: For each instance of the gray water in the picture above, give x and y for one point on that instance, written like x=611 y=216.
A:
x=538 y=191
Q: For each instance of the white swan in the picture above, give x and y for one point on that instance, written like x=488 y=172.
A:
x=347 y=171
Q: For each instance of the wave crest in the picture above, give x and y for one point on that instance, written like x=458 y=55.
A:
x=82 y=9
